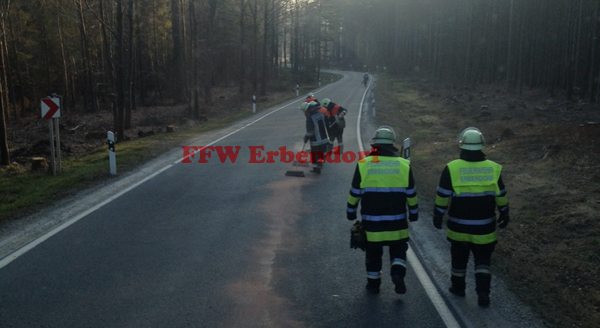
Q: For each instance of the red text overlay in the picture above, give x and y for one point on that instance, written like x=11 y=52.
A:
x=202 y=154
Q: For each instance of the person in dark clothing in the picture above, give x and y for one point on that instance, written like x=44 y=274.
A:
x=475 y=186
x=337 y=122
x=317 y=133
x=383 y=184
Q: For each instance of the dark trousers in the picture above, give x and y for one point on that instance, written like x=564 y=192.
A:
x=373 y=259
x=336 y=133
x=317 y=154
x=482 y=255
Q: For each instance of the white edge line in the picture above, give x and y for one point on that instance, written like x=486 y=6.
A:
x=16 y=254
x=435 y=297
x=432 y=292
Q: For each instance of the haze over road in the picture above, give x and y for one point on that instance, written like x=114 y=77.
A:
x=217 y=245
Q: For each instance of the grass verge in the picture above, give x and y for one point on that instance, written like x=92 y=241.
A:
x=23 y=193
x=549 y=253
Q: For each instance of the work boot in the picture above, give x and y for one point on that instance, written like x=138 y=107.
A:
x=400 y=286
x=373 y=285
x=483 y=299
x=456 y=291
x=316 y=170
x=458 y=286
x=482 y=282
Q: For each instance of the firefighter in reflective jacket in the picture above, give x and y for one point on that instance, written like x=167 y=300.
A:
x=475 y=186
x=337 y=122
x=383 y=183
x=317 y=132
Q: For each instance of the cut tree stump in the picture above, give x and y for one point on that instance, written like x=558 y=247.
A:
x=170 y=128
x=39 y=164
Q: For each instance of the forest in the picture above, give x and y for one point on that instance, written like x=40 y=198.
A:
x=121 y=54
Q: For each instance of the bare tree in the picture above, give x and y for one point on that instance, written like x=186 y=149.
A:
x=4 y=152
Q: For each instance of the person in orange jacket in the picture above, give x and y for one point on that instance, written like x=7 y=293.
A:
x=311 y=97
x=337 y=123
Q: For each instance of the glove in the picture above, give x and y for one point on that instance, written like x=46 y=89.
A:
x=503 y=219
x=351 y=216
x=306 y=139
x=437 y=219
x=413 y=217
x=358 y=237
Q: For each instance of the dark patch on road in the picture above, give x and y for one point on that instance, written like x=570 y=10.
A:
x=255 y=302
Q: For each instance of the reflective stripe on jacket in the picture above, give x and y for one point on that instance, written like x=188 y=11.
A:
x=317 y=126
x=476 y=192
x=385 y=188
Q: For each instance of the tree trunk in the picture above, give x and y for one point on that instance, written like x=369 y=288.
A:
x=208 y=63
x=176 y=63
x=109 y=67
x=65 y=91
x=130 y=66
x=577 y=46
x=255 y=56
x=592 y=94
x=242 y=48
x=4 y=151
x=120 y=74
x=88 y=93
x=20 y=96
x=264 y=54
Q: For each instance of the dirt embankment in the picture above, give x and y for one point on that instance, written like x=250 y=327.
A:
x=549 y=149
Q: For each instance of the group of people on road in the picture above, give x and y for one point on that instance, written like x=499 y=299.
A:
x=470 y=190
x=325 y=124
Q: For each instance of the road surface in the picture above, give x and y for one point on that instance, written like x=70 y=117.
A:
x=233 y=244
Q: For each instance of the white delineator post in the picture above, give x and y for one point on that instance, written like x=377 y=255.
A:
x=253 y=104
x=297 y=90
x=406 y=149
x=111 y=153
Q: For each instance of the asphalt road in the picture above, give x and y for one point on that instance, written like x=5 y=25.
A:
x=217 y=245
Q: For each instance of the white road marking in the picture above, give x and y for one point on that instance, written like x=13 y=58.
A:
x=432 y=292
x=16 y=254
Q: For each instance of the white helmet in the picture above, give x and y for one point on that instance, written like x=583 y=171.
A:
x=326 y=102
x=305 y=106
x=471 y=139
x=384 y=135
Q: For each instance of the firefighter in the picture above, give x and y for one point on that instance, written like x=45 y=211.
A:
x=383 y=183
x=317 y=132
x=337 y=122
x=311 y=97
x=475 y=187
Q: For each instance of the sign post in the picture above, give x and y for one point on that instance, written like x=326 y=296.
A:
x=406 y=148
x=253 y=104
x=52 y=152
x=111 y=153
x=50 y=107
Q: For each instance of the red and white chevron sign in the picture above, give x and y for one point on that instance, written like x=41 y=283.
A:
x=50 y=108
